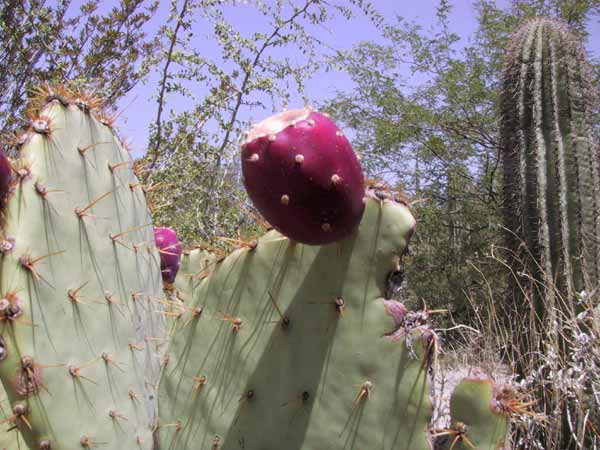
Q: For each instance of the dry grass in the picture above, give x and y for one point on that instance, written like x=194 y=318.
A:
x=557 y=363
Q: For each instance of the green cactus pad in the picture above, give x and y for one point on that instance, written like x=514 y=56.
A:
x=476 y=421
x=274 y=362
x=85 y=274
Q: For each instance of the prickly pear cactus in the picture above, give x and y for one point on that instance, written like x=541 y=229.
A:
x=551 y=170
x=290 y=343
x=80 y=281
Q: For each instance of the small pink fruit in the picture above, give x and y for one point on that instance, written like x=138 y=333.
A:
x=303 y=176
x=170 y=252
x=5 y=178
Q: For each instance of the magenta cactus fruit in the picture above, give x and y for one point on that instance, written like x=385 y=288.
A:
x=170 y=252
x=303 y=176
x=5 y=178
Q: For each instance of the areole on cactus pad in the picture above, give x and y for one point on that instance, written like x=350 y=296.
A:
x=303 y=176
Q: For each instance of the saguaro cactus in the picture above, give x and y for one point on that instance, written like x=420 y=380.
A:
x=551 y=170
x=80 y=279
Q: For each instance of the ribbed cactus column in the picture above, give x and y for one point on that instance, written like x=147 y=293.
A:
x=551 y=176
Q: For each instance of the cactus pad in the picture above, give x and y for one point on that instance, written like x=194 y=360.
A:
x=479 y=421
x=285 y=344
x=79 y=283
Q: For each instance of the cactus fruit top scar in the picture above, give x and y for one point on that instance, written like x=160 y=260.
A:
x=303 y=176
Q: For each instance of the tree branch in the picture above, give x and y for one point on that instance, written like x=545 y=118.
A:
x=161 y=96
x=245 y=81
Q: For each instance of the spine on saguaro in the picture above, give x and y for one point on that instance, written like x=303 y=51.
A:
x=551 y=170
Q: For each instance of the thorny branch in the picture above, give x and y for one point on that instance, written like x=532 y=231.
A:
x=157 y=141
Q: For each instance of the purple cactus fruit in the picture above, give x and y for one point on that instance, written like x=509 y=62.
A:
x=5 y=178
x=170 y=252
x=303 y=176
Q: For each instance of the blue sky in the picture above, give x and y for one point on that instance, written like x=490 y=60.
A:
x=140 y=107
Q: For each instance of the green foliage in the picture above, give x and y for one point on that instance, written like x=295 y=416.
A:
x=44 y=42
x=80 y=282
x=436 y=141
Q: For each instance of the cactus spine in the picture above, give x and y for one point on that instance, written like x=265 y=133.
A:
x=551 y=173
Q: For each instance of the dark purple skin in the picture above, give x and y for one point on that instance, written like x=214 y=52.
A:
x=5 y=178
x=170 y=252
x=305 y=180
